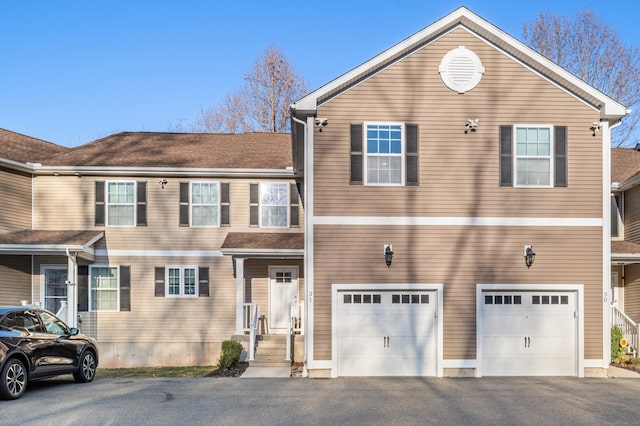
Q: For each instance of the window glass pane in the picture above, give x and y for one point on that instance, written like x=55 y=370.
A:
x=189 y=281
x=395 y=298
x=274 y=201
x=347 y=298
x=104 y=288
x=174 y=281
x=357 y=298
x=366 y=298
x=384 y=154
x=488 y=300
x=204 y=203
x=517 y=300
x=377 y=298
x=120 y=203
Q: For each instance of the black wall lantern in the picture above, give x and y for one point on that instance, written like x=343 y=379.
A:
x=529 y=256
x=388 y=254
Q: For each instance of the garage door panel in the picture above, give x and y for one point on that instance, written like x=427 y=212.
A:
x=535 y=337
x=395 y=337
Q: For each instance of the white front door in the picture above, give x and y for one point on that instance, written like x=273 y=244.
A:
x=54 y=288
x=283 y=289
x=529 y=333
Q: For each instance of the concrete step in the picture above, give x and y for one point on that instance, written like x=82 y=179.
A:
x=269 y=363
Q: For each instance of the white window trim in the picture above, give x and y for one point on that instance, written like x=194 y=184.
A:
x=182 y=269
x=107 y=203
x=516 y=157
x=288 y=206
x=191 y=204
x=90 y=289
x=402 y=155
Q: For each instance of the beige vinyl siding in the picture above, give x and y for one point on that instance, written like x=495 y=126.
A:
x=15 y=280
x=632 y=291
x=632 y=215
x=162 y=230
x=15 y=209
x=458 y=172
x=459 y=258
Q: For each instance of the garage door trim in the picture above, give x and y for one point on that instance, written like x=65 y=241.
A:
x=338 y=288
x=577 y=288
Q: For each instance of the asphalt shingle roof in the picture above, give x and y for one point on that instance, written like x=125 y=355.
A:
x=625 y=164
x=21 y=148
x=193 y=150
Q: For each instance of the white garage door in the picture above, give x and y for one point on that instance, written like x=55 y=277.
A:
x=529 y=333
x=387 y=333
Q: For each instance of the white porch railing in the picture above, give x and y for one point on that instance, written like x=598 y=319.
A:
x=250 y=317
x=297 y=314
x=62 y=312
x=630 y=330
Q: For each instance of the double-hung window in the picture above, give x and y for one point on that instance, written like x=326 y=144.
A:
x=205 y=203
x=384 y=158
x=534 y=162
x=182 y=281
x=121 y=203
x=274 y=204
x=104 y=288
x=533 y=156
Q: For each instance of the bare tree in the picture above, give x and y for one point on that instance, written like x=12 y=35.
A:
x=590 y=49
x=262 y=104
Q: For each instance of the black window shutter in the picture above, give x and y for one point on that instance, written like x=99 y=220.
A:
x=184 y=203
x=141 y=207
x=506 y=160
x=203 y=282
x=83 y=288
x=159 y=283
x=411 y=178
x=100 y=207
x=225 y=219
x=356 y=155
x=254 y=206
x=561 y=179
x=294 y=205
x=125 y=288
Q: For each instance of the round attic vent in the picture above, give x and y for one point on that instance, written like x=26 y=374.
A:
x=461 y=70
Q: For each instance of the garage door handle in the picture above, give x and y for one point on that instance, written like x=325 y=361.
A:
x=527 y=342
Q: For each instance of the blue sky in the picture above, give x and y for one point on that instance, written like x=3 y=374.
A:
x=74 y=71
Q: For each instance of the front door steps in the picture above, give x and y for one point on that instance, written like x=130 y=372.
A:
x=271 y=351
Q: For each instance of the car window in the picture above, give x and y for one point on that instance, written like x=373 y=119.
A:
x=28 y=320
x=7 y=321
x=52 y=324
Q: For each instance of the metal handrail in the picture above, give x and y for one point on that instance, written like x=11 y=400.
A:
x=253 y=326
x=630 y=330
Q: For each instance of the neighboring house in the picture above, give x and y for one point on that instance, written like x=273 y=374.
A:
x=430 y=173
x=625 y=241
x=160 y=243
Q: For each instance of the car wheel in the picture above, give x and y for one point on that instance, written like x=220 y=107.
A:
x=13 y=379
x=86 y=368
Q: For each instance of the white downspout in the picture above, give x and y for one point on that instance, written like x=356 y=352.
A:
x=72 y=289
x=308 y=231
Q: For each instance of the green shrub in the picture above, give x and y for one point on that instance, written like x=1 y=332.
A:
x=616 y=349
x=230 y=355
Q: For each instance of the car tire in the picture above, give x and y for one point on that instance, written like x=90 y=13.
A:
x=13 y=379
x=86 y=368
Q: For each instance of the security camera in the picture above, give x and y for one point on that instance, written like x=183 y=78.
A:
x=321 y=122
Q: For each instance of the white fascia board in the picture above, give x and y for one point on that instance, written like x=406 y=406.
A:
x=16 y=165
x=609 y=108
x=163 y=171
x=266 y=253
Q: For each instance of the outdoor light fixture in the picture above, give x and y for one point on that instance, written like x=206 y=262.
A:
x=472 y=125
x=162 y=182
x=529 y=256
x=388 y=254
x=595 y=126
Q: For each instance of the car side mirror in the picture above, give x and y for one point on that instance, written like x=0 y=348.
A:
x=74 y=331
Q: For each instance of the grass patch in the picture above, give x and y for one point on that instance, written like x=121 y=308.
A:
x=192 y=371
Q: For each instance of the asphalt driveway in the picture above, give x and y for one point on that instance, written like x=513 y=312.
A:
x=342 y=401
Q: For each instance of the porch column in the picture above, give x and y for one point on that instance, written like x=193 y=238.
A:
x=72 y=290
x=239 y=294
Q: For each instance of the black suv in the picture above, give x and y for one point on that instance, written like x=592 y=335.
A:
x=35 y=344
